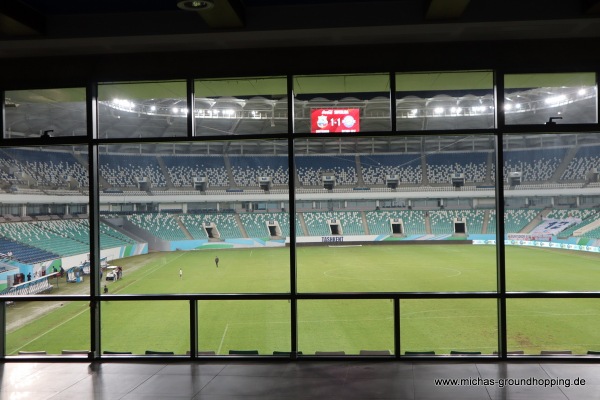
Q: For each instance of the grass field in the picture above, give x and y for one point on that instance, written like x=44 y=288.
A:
x=328 y=325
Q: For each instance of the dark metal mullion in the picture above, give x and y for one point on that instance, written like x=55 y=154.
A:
x=94 y=222
x=191 y=106
x=397 y=347
x=500 y=249
x=393 y=101
x=2 y=114
x=194 y=329
x=292 y=216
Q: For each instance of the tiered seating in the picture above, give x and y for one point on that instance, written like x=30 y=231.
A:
x=256 y=223
x=407 y=166
x=515 y=220
x=42 y=235
x=109 y=237
x=48 y=168
x=193 y=223
x=25 y=253
x=379 y=221
x=587 y=157
x=594 y=234
x=183 y=168
x=161 y=225
x=121 y=170
x=310 y=168
x=316 y=222
x=225 y=222
x=440 y=166
x=246 y=170
x=442 y=221
x=7 y=164
x=536 y=165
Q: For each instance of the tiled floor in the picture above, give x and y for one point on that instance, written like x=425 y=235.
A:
x=238 y=380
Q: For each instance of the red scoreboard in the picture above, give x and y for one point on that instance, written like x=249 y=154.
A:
x=334 y=120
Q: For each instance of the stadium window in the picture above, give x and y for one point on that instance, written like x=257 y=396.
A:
x=47 y=326
x=345 y=326
x=356 y=233
x=449 y=325
x=45 y=234
x=444 y=100
x=342 y=104
x=550 y=211
x=241 y=106
x=557 y=98
x=245 y=327
x=58 y=112
x=195 y=216
x=559 y=326
x=145 y=327
x=142 y=109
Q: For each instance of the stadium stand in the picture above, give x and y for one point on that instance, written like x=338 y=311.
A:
x=379 y=221
x=310 y=169
x=122 y=170
x=316 y=222
x=440 y=166
x=42 y=235
x=517 y=219
x=47 y=168
x=442 y=221
x=25 y=253
x=161 y=225
x=226 y=224
x=246 y=170
x=586 y=215
x=407 y=167
x=183 y=168
x=536 y=165
x=586 y=158
x=255 y=223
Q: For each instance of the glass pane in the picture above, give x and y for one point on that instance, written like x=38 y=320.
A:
x=54 y=112
x=569 y=98
x=132 y=326
x=448 y=326
x=374 y=215
x=445 y=100
x=550 y=215
x=47 y=326
x=344 y=104
x=244 y=327
x=169 y=210
x=142 y=109
x=341 y=327
x=241 y=106
x=44 y=234
x=553 y=326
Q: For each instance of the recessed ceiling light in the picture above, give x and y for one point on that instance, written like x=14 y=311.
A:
x=196 y=5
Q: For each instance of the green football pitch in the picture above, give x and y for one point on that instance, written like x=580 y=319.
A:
x=349 y=325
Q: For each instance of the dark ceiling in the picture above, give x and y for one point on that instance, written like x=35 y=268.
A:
x=73 y=27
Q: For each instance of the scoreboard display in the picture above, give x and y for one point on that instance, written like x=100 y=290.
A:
x=335 y=120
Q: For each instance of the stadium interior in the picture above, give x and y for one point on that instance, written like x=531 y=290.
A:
x=417 y=181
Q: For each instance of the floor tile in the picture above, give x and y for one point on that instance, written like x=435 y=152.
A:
x=172 y=385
